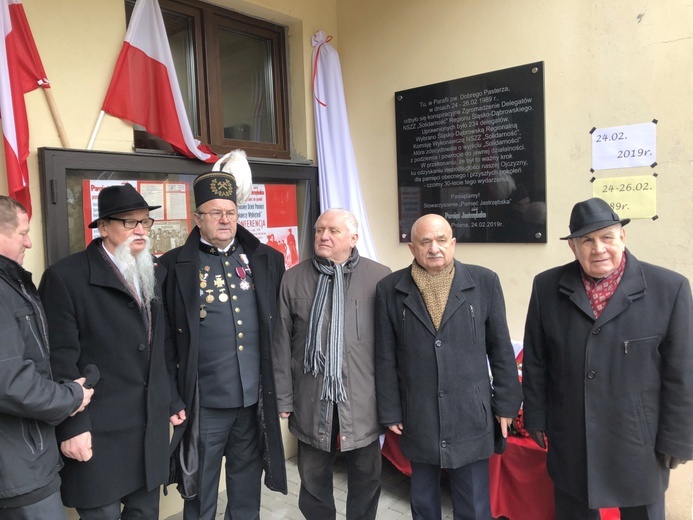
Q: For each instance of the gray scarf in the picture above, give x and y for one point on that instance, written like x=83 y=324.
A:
x=330 y=362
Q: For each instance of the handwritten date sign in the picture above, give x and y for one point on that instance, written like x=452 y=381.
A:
x=627 y=146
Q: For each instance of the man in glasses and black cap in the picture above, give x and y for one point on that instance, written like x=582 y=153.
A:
x=608 y=372
x=103 y=307
x=220 y=295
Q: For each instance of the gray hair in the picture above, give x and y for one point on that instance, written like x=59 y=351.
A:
x=349 y=219
x=9 y=208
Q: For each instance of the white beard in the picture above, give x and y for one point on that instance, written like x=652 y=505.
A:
x=138 y=267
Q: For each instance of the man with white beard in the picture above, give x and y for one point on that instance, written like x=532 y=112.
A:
x=103 y=307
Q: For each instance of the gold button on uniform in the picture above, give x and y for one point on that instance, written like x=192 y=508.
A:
x=233 y=286
x=234 y=297
x=228 y=274
x=226 y=263
x=240 y=335
x=237 y=309
x=239 y=322
x=343 y=438
x=240 y=347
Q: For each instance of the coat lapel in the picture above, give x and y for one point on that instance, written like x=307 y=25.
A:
x=570 y=284
x=461 y=282
x=631 y=287
x=101 y=271
x=413 y=301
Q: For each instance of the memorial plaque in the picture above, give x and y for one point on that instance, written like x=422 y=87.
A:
x=473 y=151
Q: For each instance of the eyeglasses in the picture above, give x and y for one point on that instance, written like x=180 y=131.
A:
x=216 y=214
x=131 y=223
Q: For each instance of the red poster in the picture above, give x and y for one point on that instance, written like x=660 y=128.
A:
x=271 y=214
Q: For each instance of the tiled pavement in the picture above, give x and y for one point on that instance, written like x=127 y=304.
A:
x=394 y=498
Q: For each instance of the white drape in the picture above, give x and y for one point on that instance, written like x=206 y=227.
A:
x=339 y=179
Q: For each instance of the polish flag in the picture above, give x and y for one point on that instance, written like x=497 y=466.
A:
x=144 y=88
x=21 y=71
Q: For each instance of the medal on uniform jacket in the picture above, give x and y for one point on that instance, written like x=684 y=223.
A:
x=203 y=278
x=244 y=285
x=203 y=312
x=244 y=259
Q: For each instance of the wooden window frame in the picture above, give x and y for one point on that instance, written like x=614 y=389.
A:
x=207 y=18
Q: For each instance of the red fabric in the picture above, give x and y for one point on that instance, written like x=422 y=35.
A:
x=520 y=486
x=600 y=292
x=392 y=453
x=144 y=88
x=21 y=71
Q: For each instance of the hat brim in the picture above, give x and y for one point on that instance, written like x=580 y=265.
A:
x=110 y=214
x=595 y=226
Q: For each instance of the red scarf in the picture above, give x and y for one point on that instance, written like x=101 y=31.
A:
x=599 y=292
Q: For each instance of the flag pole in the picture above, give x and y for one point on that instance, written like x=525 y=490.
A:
x=56 y=118
x=96 y=130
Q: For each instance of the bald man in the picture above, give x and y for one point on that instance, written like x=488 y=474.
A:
x=436 y=322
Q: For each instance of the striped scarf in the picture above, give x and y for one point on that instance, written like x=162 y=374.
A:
x=329 y=362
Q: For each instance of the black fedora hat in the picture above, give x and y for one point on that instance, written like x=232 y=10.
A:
x=120 y=199
x=592 y=215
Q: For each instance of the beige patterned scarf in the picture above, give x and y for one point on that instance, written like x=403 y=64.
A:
x=434 y=289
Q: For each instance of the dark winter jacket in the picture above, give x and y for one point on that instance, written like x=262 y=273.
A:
x=31 y=403
x=94 y=319
x=611 y=392
x=436 y=383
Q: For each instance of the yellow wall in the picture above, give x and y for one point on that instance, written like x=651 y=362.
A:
x=606 y=64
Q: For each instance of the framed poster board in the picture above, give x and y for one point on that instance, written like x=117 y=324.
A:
x=473 y=151
x=281 y=210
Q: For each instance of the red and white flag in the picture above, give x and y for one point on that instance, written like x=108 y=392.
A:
x=21 y=71
x=144 y=88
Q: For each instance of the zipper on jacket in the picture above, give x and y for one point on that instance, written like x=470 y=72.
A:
x=37 y=310
x=471 y=313
x=358 y=330
x=24 y=435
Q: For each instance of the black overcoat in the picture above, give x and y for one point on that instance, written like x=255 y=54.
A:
x=92 y=318
x=436 y=383
x=611 y=392
x=182 y=302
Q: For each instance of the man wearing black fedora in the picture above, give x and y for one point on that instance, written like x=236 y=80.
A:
x=103 y=307
x=608 y=372
x=220 y=295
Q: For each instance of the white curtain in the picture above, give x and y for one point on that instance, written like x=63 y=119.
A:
x=339 y=179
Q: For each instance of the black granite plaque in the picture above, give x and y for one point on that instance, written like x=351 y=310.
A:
x=473 y=151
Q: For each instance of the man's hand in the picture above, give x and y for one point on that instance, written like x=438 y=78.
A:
x=178 y=418
x=86 y=396
x=671 y=462
x=538 y=437
x=284 y=415
x=78 y=447
x=505 y=423
x=397 y=428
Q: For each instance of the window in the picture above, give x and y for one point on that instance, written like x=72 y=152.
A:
x=232 y=72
